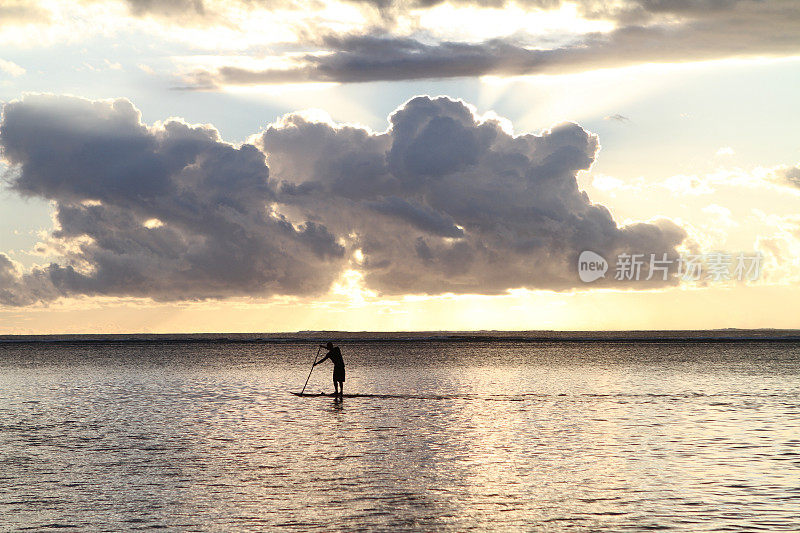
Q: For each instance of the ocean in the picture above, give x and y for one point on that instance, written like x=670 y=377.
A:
x=441 y=432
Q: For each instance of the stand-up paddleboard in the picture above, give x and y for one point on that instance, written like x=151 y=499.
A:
x=492 y=398
x=332 y=395
x=384 y=396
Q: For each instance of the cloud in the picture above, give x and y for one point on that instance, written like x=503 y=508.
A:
x=166 y=7
x=442 y=201
x=725 y=150
x=391 y=10
x=11 y=68
x=418 y=216
x=352 y=41
x=109 y=174
x=788 y=176
x=24 y=12
x=720 y=215
x=646 y=32
x=20 y=289
x=683 y=185
x=779 y=239
x=617 y=118
x=467 y=207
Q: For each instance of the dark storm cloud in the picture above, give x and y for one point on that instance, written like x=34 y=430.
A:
x=440 y=202
x=169 y=212
x=692 y=30
x=418 y=216
x=365 y=58
x=736 y=30
x=466 y=207
x=645 y=31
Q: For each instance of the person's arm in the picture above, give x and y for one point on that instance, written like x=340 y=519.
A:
x=328 y=356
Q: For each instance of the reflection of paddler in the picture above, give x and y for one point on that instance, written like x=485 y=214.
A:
x=335 y=355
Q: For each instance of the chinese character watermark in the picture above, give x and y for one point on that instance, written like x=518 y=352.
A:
x=712 y=266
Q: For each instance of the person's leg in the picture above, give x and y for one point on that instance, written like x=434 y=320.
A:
x=335 y=387
x=341 y=388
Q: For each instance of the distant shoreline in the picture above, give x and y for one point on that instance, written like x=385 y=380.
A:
x=300 y=337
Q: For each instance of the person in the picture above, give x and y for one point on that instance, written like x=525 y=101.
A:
x=335 y=355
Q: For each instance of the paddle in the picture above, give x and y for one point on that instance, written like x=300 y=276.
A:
x=312 y=369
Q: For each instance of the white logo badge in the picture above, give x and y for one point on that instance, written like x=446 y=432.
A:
x=591 y=266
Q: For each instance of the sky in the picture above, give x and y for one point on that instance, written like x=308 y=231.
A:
x=288 y=165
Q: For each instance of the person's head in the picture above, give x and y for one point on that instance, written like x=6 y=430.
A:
x=329 y=345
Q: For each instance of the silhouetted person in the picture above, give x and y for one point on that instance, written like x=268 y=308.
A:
x=335 y=355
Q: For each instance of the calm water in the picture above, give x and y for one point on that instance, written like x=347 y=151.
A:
x=506 y=436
